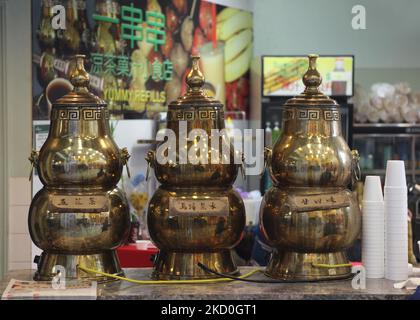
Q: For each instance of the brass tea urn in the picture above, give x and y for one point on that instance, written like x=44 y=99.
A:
x=195 y=215
x=79 y=217
x=309 y=216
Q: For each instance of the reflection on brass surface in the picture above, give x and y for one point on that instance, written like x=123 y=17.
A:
x=308 y=216
x=195 y=215
x=79 y=216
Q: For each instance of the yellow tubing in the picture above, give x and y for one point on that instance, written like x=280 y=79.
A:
x=167 y=281
x=321 y=265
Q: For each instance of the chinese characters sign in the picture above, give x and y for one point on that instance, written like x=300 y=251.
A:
x=138 y=52
x=79 y=202
x=196 y=207
x=319 y=201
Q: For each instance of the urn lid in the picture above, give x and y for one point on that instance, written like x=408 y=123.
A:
x=80 y=95
x=195 y=94
x=311 y=96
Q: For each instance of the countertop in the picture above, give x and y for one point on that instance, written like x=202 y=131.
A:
x=376 y=289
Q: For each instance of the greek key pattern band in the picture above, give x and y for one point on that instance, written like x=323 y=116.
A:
x=311 y=114
x=79 y=114
x=187 y=115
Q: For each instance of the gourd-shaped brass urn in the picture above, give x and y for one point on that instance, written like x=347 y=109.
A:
x=195 y=215
x=79 y=217
x=309 y=216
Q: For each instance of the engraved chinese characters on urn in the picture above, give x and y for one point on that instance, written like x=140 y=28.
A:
x=79 y=217
x=195 y=215
x=309 y=216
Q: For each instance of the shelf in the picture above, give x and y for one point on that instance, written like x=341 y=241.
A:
x=378 y=172
x=386 y=128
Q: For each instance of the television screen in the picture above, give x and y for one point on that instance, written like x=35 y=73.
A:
x=282 y=75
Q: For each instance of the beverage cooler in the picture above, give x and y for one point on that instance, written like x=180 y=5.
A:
x=379 y=142
x=280 y=79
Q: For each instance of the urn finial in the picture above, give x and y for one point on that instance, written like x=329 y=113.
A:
x=312 y=78
x=195 y=78
x=79 y=77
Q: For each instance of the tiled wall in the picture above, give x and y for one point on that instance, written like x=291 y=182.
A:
x=20 y=243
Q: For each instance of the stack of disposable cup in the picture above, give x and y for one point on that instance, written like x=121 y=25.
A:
x=396 y=233
x=373 y=232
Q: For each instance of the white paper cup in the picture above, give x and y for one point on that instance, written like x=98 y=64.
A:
x=396 y=277
x=394 y=214
x=380 y=213
x=397 y=262
x=396 y=225
x=379 y=275
x=394 y=189
x=372 y=190
x=376 y=242
x=373 y=259
x=374 y=273
x=374 y=267
x=396 y=230
x=374 y=239
x=372 y=247
x=396 y=271
x=395 y=194
x=393 y=256
x=373 y=220
x=401 y=203
x=377 y=238
x=372 y=229
x=396 y=267
x=373 y=207
x=373 y=236
x=373 y=253
x=395 y=174
x=378 y=266
x=374 y=270
x=393 y=239
x=394 y=202
x=388 y=189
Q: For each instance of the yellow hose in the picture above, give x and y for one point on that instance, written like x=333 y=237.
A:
x=167 y=281
x=322 y=265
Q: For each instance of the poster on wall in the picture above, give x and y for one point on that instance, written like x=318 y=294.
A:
x=138 y=52
x=283 y=75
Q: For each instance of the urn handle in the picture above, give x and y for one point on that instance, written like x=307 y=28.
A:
x=33 y=158
x=268 y=153
x=356 y=173
x=124 y=158
x=150 y=158
x=243 y=167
